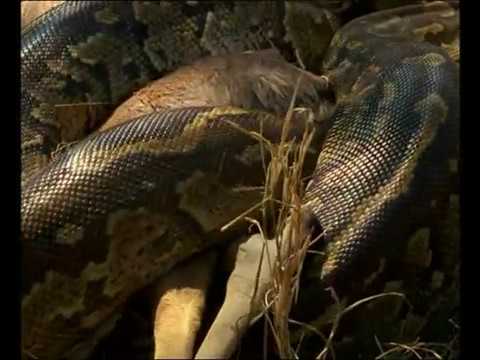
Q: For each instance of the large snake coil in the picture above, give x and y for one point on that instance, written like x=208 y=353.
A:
x=120 y=208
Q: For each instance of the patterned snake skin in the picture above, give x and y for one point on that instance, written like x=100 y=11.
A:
x=111 y=213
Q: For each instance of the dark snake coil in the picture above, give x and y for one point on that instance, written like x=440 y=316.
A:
x=387 y=152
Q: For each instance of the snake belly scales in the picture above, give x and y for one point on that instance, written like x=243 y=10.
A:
x=397 y=99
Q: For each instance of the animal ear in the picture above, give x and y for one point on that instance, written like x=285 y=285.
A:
x=309 y=29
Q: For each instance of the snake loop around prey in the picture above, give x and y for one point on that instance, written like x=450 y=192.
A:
x=387 y=151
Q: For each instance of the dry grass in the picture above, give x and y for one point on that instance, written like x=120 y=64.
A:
x=282 y=219
x=291 y=236
x=282 y=214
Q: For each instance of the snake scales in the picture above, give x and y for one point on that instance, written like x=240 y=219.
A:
x=116 y=210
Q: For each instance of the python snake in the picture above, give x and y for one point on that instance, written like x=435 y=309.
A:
x=114 y=211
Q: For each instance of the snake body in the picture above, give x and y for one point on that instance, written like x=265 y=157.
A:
x=118 y=209
x=415 y=105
